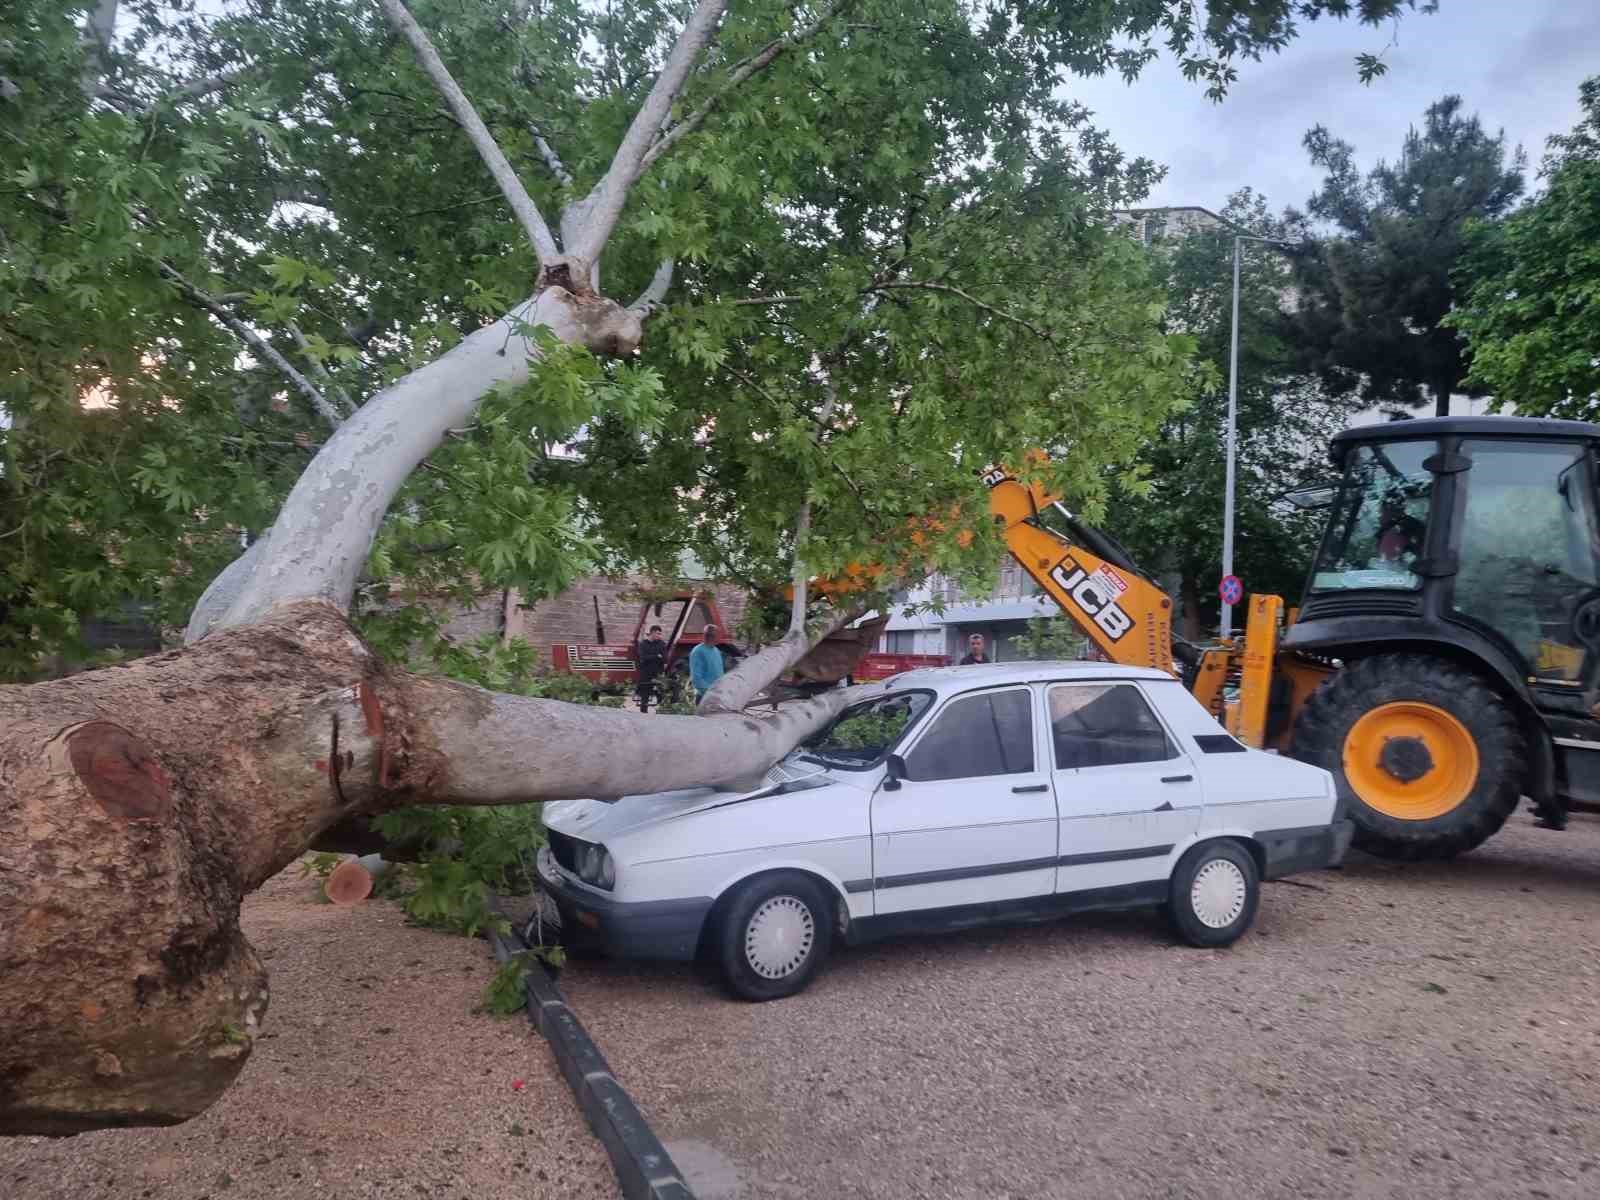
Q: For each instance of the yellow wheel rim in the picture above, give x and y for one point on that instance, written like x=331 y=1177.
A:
x=1410 y=760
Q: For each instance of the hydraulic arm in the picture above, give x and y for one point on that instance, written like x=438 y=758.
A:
x=1092 y=578
x=1096 y=583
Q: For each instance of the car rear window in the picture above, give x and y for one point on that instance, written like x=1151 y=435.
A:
x=1105 y=725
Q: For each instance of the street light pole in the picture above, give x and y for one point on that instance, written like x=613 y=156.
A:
x=1233 y=423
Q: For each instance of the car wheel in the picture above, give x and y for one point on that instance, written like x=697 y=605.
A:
x=1214 y=895
x=774 y=936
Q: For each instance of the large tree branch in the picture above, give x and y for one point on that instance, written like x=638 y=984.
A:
x=347 y=406
x=222 y=591
x=741 y=72
x=551 y=158
x=799 y=575
x=533 y=223
x=324 y=531
x=260 y=345
x=929 y=286
x=655 y=291
x=603 y=205
x=530 y=80
x=494 y=755
x=97 y=34
x=740 y=686
x=802 y=524
x=192 y=90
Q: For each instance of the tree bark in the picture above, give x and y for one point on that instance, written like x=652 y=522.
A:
x=139 y=804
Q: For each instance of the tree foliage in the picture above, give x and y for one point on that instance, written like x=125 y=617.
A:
x=921 y=211
x=1050 y=639
x=1531 y=285
x=1375 y=288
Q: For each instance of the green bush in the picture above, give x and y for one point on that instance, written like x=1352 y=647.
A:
x=1050 y=638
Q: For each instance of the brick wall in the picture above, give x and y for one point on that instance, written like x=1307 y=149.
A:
x=485 y=615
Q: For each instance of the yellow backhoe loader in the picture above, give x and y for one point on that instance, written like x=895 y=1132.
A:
x=1445 y=660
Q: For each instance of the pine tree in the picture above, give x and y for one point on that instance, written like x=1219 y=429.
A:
x=1374 y=281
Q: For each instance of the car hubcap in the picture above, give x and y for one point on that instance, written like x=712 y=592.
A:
x=1217 y=894
x=779 y=937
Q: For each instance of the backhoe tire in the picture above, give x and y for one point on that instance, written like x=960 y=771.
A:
x=1427 y=756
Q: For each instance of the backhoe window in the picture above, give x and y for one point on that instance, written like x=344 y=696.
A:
x=1379 y=519
x=1527 y=551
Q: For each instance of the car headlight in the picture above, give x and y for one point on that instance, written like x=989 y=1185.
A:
x=595 y=866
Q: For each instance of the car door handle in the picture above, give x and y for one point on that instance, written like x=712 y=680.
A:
x=1177 y=779
x=1033 y=787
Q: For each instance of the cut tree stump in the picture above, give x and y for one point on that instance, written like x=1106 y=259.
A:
x=352 y=881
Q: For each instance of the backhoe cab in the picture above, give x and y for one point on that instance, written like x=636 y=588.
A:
x=1446 y=657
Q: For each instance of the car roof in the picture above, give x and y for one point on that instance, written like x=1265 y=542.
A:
x=953 y=679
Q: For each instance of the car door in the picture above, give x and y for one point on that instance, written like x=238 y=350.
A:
x=1126 y=794
x=974 y=820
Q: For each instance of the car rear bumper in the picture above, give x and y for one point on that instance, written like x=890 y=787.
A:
x=1312 y=848
x=668 y=929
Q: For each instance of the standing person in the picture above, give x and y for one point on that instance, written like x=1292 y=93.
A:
x=652 y=662
x=705 y=663
x=975 y=652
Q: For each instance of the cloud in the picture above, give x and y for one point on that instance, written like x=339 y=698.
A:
x=1558 y=50
x=1517 y=65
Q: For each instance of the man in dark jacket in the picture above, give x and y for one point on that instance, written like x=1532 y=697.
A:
x=652 y=664
x=975 y=652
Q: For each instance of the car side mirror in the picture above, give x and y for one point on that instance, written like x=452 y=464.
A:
x=894 y=770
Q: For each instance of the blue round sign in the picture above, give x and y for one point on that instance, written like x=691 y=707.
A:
x=1231 y=590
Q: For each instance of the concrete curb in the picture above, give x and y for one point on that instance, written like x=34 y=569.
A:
x=643 y=1167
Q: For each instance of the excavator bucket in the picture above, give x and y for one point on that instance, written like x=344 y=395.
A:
x=837 y=655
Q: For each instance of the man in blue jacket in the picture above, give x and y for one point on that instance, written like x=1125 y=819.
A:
x=705 y=663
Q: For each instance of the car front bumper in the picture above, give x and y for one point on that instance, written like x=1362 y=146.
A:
x=1309 y=849
x=590 y=919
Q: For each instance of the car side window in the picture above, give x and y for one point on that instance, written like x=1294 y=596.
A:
x=987 y=734
x=1104 y=724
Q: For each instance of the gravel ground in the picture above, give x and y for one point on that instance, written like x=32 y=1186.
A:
x=373 y=1078
x=1387 y=1030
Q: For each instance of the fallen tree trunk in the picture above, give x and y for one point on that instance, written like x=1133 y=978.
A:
x=140 y=804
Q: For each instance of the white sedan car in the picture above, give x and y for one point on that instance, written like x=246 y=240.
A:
x=950 y=797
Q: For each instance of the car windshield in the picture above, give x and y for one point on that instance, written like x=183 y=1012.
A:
x=863 y=733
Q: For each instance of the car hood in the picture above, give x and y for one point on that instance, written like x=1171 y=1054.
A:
x=602 y=820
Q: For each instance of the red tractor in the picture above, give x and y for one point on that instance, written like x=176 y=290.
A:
x=614 y=667
x=846 y=654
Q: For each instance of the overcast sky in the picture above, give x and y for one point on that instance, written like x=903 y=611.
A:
x=1517 y=63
